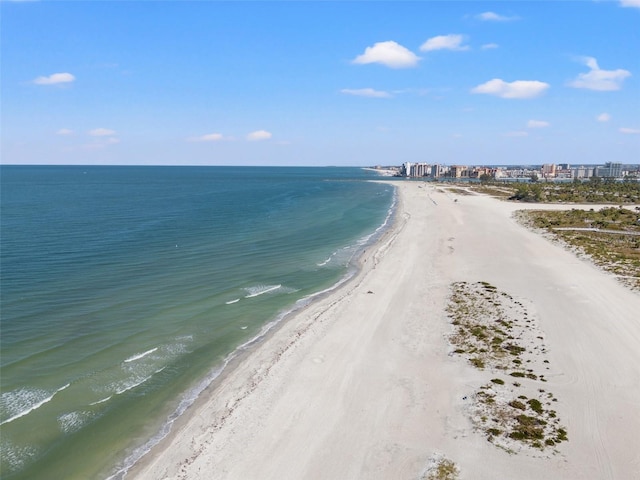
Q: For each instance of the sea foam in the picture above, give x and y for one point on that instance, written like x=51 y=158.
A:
x=26 y=401
x=261 y=290
x=140 y=355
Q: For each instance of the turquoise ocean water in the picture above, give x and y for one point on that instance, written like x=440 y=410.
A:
x=125 y=291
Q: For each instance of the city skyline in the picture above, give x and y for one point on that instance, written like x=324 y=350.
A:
x=320 y=83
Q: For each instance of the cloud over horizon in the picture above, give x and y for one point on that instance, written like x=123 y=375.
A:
x=259 y=135
x=453 y=41
x=209 y=137
x=630 y=131
x=537 y=124
x=494 y=17
x=598 y=79
x=390 y=54
x=55 y=79
x=101 y=132
x=603 y=117
x=516 y=89
x=630 y=3
x=366 y=92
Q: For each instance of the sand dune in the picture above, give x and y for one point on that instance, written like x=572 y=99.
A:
x=363 y=384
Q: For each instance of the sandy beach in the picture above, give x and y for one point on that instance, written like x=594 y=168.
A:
x=364 y=384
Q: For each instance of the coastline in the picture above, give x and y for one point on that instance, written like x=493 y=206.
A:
x=196 y=395
x=360 y=383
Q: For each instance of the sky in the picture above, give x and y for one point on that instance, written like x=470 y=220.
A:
x=320 y=83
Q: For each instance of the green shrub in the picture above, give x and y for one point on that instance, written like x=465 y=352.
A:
x=535 y=405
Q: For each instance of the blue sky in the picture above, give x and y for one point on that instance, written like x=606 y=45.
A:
x=320 y=83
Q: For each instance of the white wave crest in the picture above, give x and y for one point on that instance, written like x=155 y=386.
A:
x=98 y=402
x=125 y=387
x=140 y=355
x=261 y=290
x=26 y=401
x=322 y=264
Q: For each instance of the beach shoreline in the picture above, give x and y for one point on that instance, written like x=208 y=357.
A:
x=361 y=382
x=364 y=259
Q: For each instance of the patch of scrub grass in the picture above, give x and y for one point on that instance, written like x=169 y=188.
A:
x=443 y=469
x=477 y=362
x=498 y=381
x=522 y=419
x=535 y=405
x=477 y=312
x=614 y=244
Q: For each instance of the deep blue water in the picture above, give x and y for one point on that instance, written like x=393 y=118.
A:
x=124 y=290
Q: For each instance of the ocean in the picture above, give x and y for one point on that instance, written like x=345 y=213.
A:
x=126 y=290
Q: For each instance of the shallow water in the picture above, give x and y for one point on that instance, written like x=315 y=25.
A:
x=125 y=290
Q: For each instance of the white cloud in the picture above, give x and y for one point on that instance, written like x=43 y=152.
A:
x=517 y=89
x=603 y=117
x=597 y=79
x=259 y=135
x=537 y=124
x=390 y=54
x=209 y=137
x=101 y=132
x=494 y=17
x=488 y=46
x=444 y=42
x=55 y=79
x=366 y=92
x=421 y=92
x=517 y=134
x=632 y=131
x=64 y=131
x=630 y=3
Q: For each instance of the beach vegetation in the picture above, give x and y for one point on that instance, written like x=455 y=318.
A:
x=482 y=324
x=477 y=362
x=442 y=469
x=610 y=237
x=535 y=405
x=490 y=329
x=522 y=419
x=596 y=190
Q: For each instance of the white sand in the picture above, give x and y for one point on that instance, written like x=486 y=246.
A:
x=360 y=385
